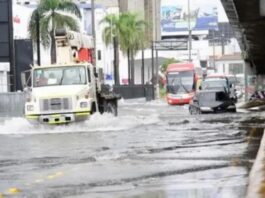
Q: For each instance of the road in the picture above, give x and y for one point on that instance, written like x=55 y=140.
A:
x=150 y=150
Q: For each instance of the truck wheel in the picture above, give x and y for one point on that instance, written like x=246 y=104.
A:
x=93 y=108
x=194 y=110
x=112 y=108
x=197 y=111
x=191 y=110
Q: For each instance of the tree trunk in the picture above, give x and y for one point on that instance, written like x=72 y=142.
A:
x=129 y=66
x=53 y=48
x=116 y=61
x=38 y=36
x=132 y=67
x=142 y=71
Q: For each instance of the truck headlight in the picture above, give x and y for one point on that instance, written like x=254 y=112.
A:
x=30 y=107
x=83 y=105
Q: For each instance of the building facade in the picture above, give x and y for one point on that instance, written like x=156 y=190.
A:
x=7 y=72
x=150 y=11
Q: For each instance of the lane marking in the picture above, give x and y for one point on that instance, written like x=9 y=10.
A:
x=14 y=190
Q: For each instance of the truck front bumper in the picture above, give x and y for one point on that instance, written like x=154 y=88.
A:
x=60 y=118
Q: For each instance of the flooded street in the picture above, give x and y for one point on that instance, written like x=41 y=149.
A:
x=149 y=150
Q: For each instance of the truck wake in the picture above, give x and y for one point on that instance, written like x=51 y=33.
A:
x=96 y=123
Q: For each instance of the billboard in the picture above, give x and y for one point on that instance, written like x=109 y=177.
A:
x=175 y=17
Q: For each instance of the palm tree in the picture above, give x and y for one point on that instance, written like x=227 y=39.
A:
x=52 y=15
x=111 y=34
x=132 y=38
x=127 y=32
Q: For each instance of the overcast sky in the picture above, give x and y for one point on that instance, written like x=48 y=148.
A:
x=203 y=4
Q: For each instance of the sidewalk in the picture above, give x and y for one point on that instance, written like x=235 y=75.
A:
x=256 y=188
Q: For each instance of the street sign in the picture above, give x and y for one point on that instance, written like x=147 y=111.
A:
x=171 y=44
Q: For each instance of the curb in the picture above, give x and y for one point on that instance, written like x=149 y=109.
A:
x=256 y=176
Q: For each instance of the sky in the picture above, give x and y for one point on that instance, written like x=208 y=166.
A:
x=203 y=4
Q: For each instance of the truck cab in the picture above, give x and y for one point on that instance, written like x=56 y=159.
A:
x=67 y=93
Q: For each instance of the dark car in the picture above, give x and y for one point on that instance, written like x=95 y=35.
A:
x=211 y=101
x=219 y=83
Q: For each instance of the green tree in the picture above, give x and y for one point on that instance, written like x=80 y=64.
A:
x=167 y=62
x=132 y=38
x=52 y=15
x=111 y=34
x=126 y=31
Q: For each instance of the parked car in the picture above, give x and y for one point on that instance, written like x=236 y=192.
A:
x=211 y=101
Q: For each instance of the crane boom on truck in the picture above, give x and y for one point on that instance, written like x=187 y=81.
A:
x=68 y=91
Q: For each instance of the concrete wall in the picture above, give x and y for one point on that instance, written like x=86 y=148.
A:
x=4 y=69
x=250 y=80
x=12 y=104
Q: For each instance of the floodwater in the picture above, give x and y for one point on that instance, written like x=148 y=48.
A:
x=151 y=150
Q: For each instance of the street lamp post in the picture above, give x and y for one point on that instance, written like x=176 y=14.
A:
x=189 y=28
x=93 y=30
x=213 y=39
x=38 y=36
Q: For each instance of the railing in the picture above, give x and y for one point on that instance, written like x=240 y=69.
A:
x=135 y=91
x=12 y=104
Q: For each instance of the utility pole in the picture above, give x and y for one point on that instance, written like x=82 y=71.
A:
x=142 y=72
x=152 y=68
x=93 y=31
x=38 y=36
x=189 y=28
x=214 y=51
x=223 y=44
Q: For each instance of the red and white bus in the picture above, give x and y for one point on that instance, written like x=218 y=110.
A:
x=181 y=80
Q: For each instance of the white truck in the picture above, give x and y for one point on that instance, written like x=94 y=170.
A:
x=67 y=92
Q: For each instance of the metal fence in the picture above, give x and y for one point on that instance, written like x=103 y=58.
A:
x=12 y=104
x=135 y=91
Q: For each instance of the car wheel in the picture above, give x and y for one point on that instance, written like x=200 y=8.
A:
x=198 y=111
x=194 y=110
x=191 y=110
x=232 y=110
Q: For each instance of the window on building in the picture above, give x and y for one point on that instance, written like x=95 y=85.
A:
x=236 y=68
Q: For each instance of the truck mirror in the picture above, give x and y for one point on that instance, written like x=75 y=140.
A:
x=23 y=80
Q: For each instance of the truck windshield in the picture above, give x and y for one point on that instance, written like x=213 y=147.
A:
x=180 y=82
x=55 y=76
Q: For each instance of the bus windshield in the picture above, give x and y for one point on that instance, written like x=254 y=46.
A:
x=180 y=82
x=55 y=76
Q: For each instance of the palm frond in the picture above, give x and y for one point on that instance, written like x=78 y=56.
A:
x=45 y=29
x=65 y=21
x=111 y=29
x=47 y=5
x=49 y=18
x=107 y=36
x=69 y=7
x=32 y=25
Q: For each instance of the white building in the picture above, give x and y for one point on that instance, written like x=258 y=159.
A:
x=230 y=64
